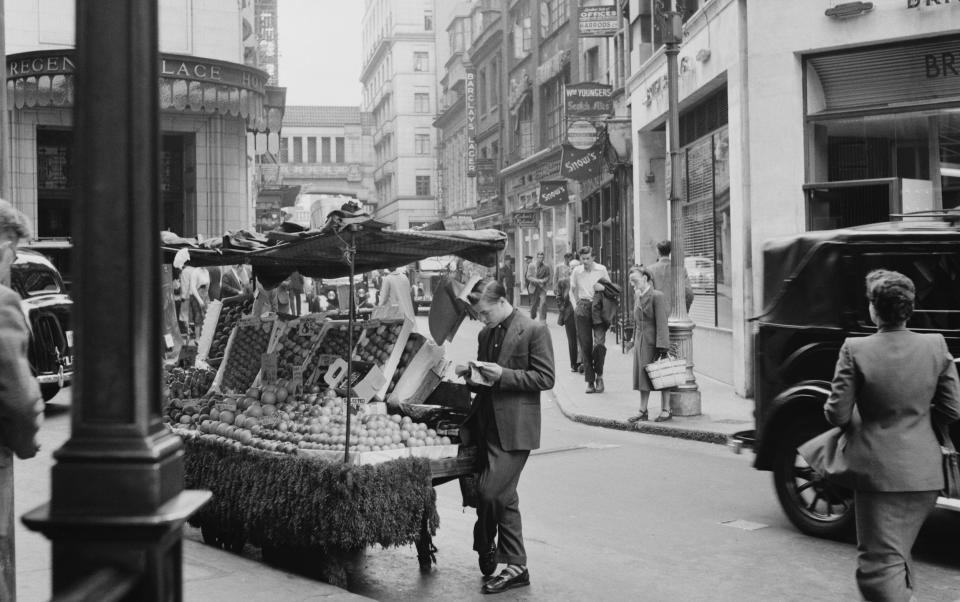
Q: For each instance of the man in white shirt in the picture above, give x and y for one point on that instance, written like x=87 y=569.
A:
x=584 y=282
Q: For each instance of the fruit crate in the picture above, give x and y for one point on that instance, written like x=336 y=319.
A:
x=383 y=343
x=295 y=342
x=415 y=343
x=419 y=377
x=242 y=359
x=218 y=324
x=332 y=345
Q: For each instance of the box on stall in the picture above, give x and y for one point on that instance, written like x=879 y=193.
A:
x=393 y=360
x=368 y=378
x=218 y=380
x=421 y=377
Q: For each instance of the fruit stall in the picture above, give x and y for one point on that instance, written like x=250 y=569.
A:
x=287 y=421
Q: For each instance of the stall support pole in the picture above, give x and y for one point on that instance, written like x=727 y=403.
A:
x=350 y=254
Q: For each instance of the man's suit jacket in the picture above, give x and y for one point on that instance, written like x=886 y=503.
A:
x=527 y=359
x=664 y=283
x=895 y=378
x=19 y=391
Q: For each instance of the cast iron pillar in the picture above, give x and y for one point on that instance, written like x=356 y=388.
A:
x=118 y=505
x=685 y=399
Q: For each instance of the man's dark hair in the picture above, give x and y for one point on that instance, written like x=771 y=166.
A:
x=664 y=247
x=567 y=256
x=892 y=295
x=488 y=290
x=585 y=250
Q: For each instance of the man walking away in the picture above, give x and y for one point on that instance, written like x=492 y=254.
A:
x=584 y=282
x=565 y=310
x=538 y=279
x=516 y=363
x=507 y=277
x=663 y=279
x=21 y=405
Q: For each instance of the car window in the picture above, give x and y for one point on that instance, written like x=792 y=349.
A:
x=38 y=282
x=936 y=276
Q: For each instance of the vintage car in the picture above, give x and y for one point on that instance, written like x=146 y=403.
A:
x=814 y=297
x=47 y=308
x=426 y=277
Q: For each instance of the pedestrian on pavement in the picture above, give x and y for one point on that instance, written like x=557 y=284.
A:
x=563 y=270
x=663 y=276
x=397 y=291
x=565 y=315
x=538 y=280
x=584 y=282
x=508 y=277
x=517 y=360
x=21 y=405
x=265 y=300
x=891 y=390
x=295 y=291
x=651 y=340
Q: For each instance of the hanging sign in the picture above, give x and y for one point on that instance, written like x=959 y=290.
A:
x=580 y=164
x=598 y=21
x=553 y=193
x=588 y=100
x=470 y=98
x=581 y=134
x=487 y=178
x=526 y=218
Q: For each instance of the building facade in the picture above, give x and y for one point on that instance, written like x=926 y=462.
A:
x=212 y=108
x=793 y=117
x=398 y=75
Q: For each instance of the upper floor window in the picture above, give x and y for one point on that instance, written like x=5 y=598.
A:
x=298 y=150
x=341 y=150
x=428 y=20
x=421 y=102
x=420 y=61
x=421 y=144
x=284 y=150
x=552 y=14
x=423 y=185
x=325 y=149
x=311 y=150
x=522 y=31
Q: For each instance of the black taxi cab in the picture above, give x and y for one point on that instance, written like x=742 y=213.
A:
x=814 y=297
x=47 y=308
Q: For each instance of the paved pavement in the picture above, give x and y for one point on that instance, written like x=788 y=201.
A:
x=723 y=411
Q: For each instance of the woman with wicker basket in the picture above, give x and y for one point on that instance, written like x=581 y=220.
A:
x=651 y=340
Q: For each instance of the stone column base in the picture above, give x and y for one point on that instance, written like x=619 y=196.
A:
x=685 y=403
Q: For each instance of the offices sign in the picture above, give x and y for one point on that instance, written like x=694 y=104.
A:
x=598 y=21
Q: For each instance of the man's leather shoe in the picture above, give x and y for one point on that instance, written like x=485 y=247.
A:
x=501 y=584
x=599 y=384
x=488 y=561
x=591 y=388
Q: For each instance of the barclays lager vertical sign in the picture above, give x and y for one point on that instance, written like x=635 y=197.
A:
x=470 y=97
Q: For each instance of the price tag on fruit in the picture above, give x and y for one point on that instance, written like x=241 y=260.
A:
x=228 y=405
x=356 y=403
x=308 y=328
x=269 y=421
x=268 y=367
x=297 y=379
x=326 y=359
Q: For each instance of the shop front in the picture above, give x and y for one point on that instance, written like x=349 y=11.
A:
x=533 y=226
x=883 y=128
x=215 y=116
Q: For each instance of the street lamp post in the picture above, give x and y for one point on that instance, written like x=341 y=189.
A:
x=684 y=399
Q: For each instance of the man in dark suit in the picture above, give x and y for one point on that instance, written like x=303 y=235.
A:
x=663 y=276
x=21 y=405
x=505 y=422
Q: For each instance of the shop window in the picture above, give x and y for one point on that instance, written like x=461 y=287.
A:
x=421 y=61
x=298 y=150
x=423 y=185
x=53 y=182
x=340 y=149
x=311 y=149
x=325 y=149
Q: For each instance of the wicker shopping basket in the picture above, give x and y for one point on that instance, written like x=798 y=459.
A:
x=667 y=372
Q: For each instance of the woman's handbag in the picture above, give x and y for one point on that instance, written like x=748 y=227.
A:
x=825 y=455
x=667 y=372
x=951 y=462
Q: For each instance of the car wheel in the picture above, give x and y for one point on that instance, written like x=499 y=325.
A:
x=49 y=391
x=813 y=505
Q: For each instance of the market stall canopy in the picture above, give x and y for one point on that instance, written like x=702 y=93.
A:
x=323 y=253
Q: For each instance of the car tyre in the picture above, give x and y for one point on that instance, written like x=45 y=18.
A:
x=814 y=506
